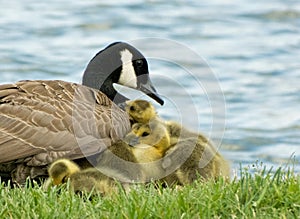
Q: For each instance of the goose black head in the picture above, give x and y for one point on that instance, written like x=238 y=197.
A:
x=119 y=63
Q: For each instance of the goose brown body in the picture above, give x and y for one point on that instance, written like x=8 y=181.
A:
x=44 y=120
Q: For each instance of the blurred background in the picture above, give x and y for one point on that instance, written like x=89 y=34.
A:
x=252 y=48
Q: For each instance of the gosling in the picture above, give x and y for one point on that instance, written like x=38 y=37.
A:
x=89 y=180
x=190 y=154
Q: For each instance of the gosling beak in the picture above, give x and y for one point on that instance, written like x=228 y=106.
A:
x=149 y=89
x=126 y=103
x=131 y=140
x=122 y=105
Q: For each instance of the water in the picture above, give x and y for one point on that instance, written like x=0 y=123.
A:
x=252 y=48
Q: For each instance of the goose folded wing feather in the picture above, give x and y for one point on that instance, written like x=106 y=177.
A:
x=35 y=122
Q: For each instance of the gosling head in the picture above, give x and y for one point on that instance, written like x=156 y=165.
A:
x=140 y=111
x=154 y=134
x=60 y=170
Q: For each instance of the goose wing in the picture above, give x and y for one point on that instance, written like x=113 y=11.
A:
x=41 y=121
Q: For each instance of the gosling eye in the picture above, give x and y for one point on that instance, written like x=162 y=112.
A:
x=145 y=134
x=64 y=179
x=132 y=108
x=139 y=63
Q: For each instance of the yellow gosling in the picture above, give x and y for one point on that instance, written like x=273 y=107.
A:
x=60 y=171
x=140 y=111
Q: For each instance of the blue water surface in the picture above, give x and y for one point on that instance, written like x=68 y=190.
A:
x=253 y=48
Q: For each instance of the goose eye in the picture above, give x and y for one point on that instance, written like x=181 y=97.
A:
x=139 y=63
x=132 y=108
x=145 y=134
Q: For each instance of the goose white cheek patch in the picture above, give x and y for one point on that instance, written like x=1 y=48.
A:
x=128 y=77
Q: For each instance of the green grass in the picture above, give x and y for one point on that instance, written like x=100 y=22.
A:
x=263 y=194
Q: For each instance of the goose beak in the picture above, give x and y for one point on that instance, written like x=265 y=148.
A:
x=149 y=89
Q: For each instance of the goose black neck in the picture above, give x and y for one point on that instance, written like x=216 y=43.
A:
x=104 y=84
x=104 y=70
x=108 y=89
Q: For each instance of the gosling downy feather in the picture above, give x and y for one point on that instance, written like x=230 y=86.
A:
x=142 y=111
x=188 y=156
x=60 y=172
x=149 y=142
x=109 y=169
x=87 y=180
x=41 y=121
x=133 y=158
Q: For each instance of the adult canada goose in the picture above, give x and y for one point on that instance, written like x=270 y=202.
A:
x=41 y=121
x=203 y=159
